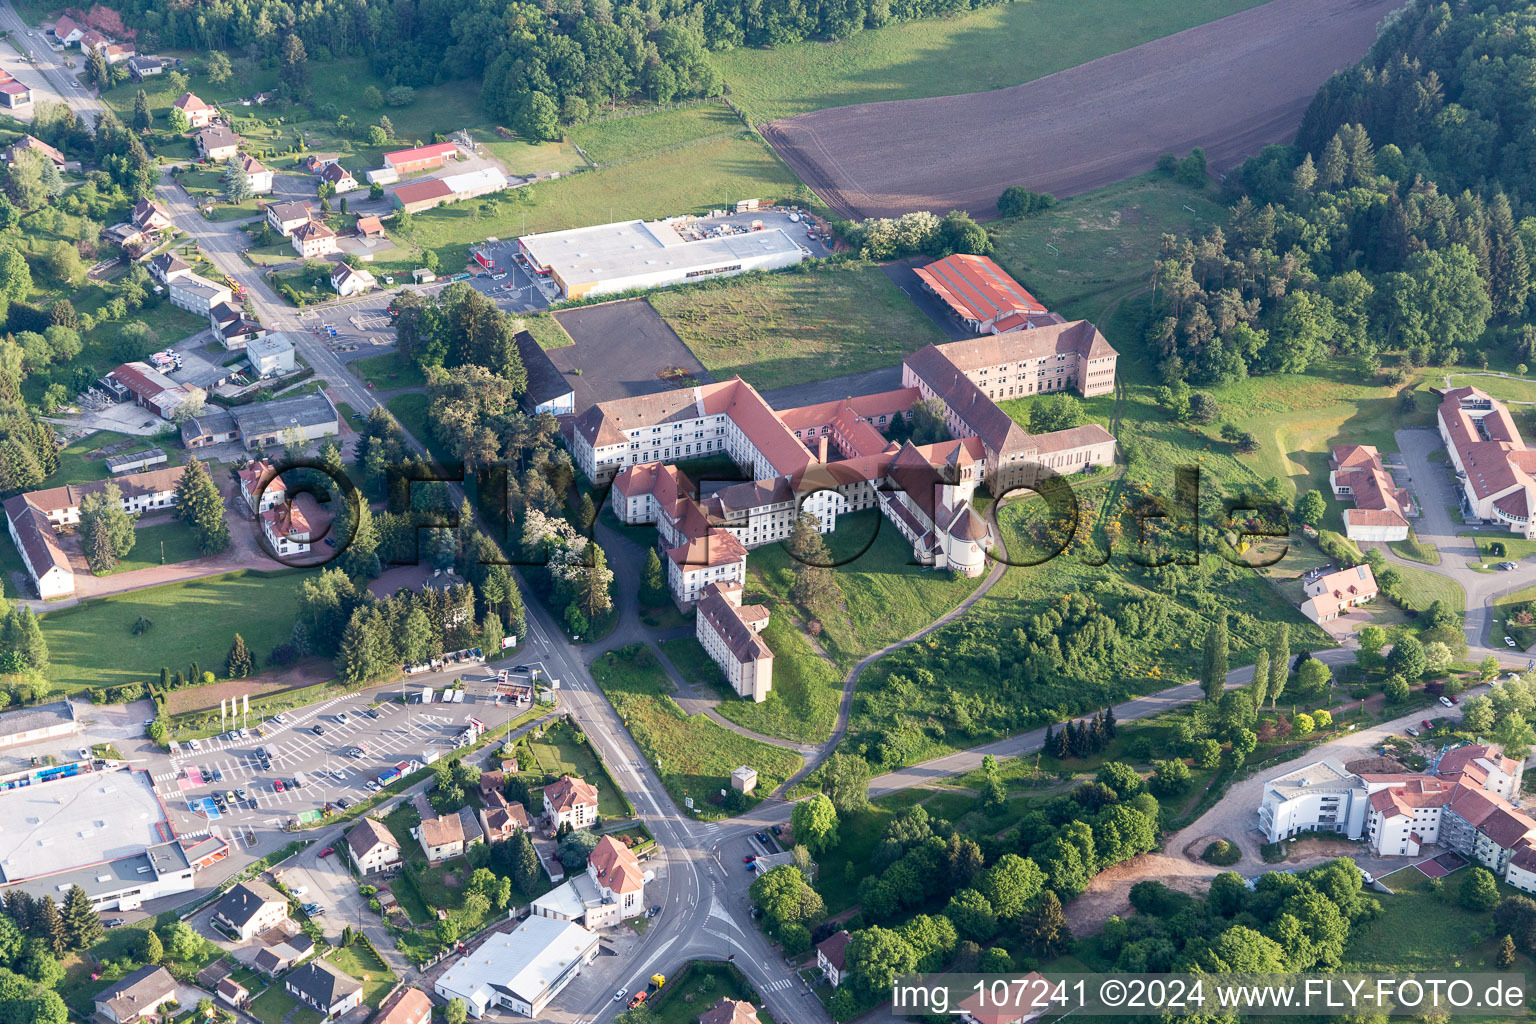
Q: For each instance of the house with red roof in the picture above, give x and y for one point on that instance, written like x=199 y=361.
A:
x=421 y=158
x=1356 y=473
x=570 y=801
x=1496 y=470
x=67 y=31
x=830 y=957
x=1330 y=596
x=199 y=114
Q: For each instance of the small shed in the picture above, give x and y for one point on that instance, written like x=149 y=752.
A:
x=744 y=780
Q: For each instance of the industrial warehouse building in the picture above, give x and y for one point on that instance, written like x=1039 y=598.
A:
x=612 y=258
x=520 y=970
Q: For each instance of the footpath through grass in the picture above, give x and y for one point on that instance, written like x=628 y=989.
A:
x=988 y=49
x=697 y=755
x=779 y=329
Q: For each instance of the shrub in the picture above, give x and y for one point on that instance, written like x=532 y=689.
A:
x=1221 y=853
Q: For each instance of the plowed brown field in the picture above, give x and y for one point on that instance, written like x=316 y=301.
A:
x=1232 y=86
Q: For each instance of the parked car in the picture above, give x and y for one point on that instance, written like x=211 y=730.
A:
x=240 y=793
x=1445 y=702
x=655 y=911
x=317 y=729
x=777 y=830
x=749 y=858
x=313 y=909
x=343 y=803
x=1428 y=725
x=618 y=995
x=1411 y=731
x=229 y=796
x=1454 y=699
x=280 y=718
x=1509 y=565
x=373 y=787
x=277 y=785
x=218 y=775
x=197 y=748
x=341 y=716
x=1509 y=641
x=637 y=999
x=762 y=837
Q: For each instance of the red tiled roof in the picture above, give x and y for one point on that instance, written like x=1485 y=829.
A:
x=732 y=624
x=730 y=1011
x=715 y=548
x=616 y=867
x=568 y=792
x=977 y=288
x=400 y=156
x=832 y=947
x=189 y=102
x=416 y=191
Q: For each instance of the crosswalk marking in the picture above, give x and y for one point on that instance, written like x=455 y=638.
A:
x=778 y=985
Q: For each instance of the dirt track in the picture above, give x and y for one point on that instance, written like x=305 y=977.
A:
x=1231 y=86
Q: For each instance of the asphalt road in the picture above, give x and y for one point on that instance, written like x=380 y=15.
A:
x=50 y=66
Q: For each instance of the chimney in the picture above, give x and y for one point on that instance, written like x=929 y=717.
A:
x=821 y=449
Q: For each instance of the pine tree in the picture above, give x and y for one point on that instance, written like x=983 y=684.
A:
x=1048 y=745
x=81 y=921
x=1096 y=737
x=1507 y=952
x=653 y=580
x=1110 y=728
x=153 y=950
x=355 y=657
x=194 y=674
x=525 y=863
x=165 y=679
x=362 y=555
x=1279 y=662
x=106 y=531
x=30 y=642
x=587 y=513
x=1063 y=743
x=814 y=584
x=595 y=593
x=239 y=663
x=1213 y=676
x=48 y=925
x=18 y=907
x=142 y=119
x=237 y=184
x=97 y=69
x=1045 y=926
x=199 y=505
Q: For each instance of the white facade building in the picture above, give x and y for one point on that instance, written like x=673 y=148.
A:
x=521 y=970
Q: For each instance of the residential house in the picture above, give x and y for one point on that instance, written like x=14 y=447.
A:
x=349 y=281
x=258 y=174
x=291 y=526
x=570 y=801
x=441 y=838
x=730 y=1011
x=338 y=177
x=411 y=1006
x=140 y=68
x=249 y=909
x=1019 y=1004
x=619 y=877
x=116 y=53
x=1330 y=596
x=503 y=818
x=286 y=218
x=67 y=32
x=137 y=995
x=217 y=143
x=197 y=294
x=492 y=782
x=199 y=114
x=42 y=554
x=469 y=824
x=829 y=957
x=232 y=993
x=232 y=327
x=275 y=959
x=166 y=267
x=1381 y=507
x=322 y=987
x=313 y=239
x=373 y=847
x=32 y=144
x=270 y=355
x=369 y=226
x=150 y=217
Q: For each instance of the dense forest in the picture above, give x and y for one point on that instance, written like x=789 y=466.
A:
x=1399 y=222
x=578 y=54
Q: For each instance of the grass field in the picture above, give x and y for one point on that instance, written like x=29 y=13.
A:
x=363 y=964
x=781 y=329
x=276 y=1006
x=948 y=56
x=806 y=688
x=1505 y=389
x=695 y=179
x=527 y=158
x=1506 y=606
x=1421 y=588
x=92 y=644
x=1420 y=931
x=621 y=139
x=388 y=371
x=76 y=467
x=1516 y=547
x=558 y=753
x=697 y=756
x=690 y=659
x=162 y=544
x=1104 y=242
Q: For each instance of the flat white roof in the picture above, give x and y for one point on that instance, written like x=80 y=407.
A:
x=271 y=344
x=525 y=961
x=634 y=248
x=86 y=819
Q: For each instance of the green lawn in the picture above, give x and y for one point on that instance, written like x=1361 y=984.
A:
x=697 y=756
x=1504 y=388
x=558 y=752
x=1506 y=606
x=162 y=544
x=388 y=371
x=206 y=187
x=411 y=410
x=1096 y=247
x=694 y=179
x=1416 y=549
x=775 y=330
x=987 y=49
x=690 y=659
x=1419 y=931
x=92 y=644
x=696 y=987
x=546 y=330
x=1421 y=588
x=523 y=157
x=806 y=687
x=276 y=1006
x=361 y=963
x=620 y=139
x=1516 y=547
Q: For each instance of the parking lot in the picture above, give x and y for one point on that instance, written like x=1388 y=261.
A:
x=225 y=766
